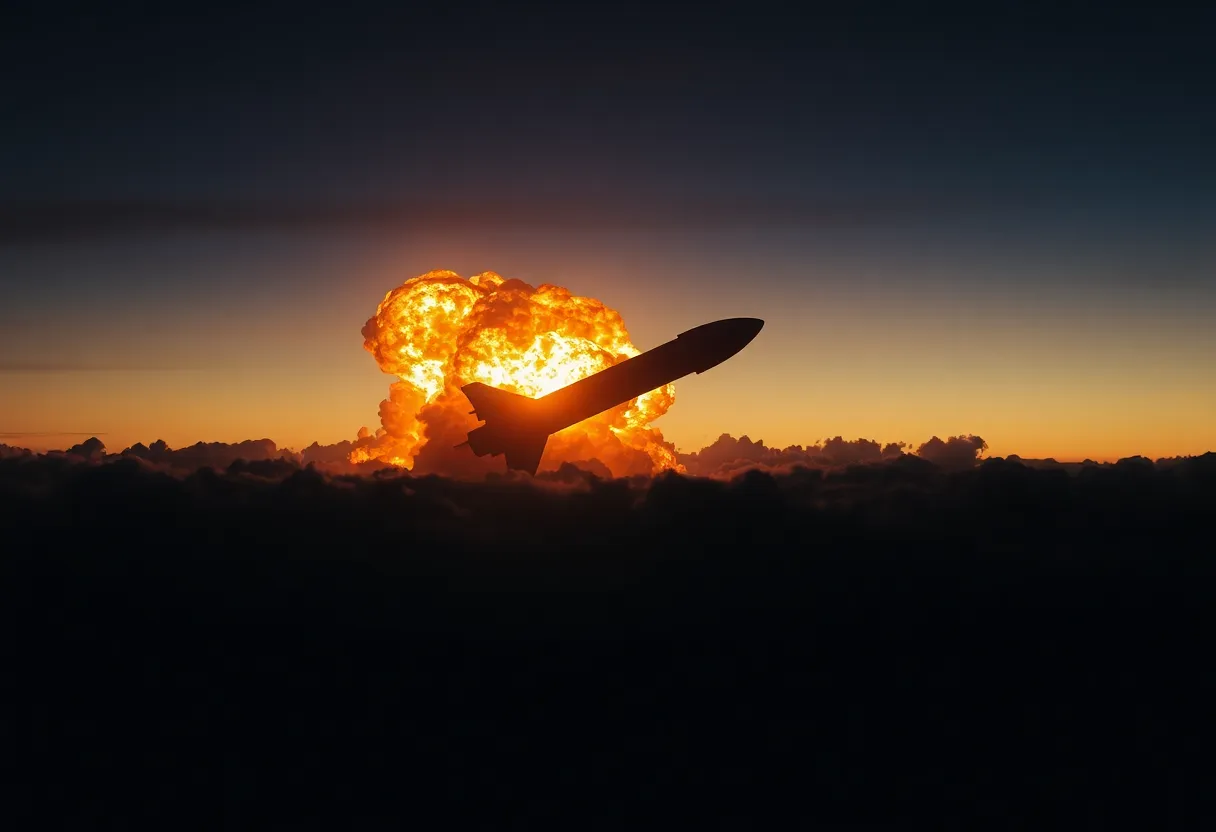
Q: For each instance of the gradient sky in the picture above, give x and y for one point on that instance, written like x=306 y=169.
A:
x=994 y=222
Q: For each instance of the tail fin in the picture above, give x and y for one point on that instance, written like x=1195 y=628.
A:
x=524 y=452
x=509 y=426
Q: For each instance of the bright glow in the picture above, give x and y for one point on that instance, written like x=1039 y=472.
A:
x=440 y=331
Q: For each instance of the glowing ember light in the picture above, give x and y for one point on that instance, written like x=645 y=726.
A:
x=440 y=331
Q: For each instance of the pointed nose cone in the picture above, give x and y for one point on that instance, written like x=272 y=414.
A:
x=747 y=328
x=719 y=340
x=735 y=333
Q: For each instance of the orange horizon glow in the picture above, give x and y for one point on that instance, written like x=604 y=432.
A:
x=41 y=442
x=1100 y=382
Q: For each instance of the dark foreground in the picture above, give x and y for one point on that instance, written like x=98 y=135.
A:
x=268 y=647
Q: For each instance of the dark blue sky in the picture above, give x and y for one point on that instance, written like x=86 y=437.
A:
x=989 y=108
x=1030 y=164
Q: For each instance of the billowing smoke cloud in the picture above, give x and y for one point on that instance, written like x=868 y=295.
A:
x=337 y=454
x=440 y=331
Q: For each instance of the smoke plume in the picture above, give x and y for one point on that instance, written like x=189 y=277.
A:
x=440 y=331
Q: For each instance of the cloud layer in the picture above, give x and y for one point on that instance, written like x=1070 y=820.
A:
x=862 y=641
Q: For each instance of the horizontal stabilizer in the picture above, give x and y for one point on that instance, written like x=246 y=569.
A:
x=491 y=404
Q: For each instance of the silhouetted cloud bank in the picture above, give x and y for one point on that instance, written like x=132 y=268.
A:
x=724 y=458
x=727 y=455
x=851 y=637
x=7 y=451
x=929 y=497
x=207 y=454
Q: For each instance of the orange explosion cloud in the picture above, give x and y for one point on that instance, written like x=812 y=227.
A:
x=439 y=331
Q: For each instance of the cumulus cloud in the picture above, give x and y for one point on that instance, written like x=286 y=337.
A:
x=726 y=453
x=727 y=456
x=839 y=451
x=7 y=451
x=955 y=453
x=207 y=454
x=91 y=448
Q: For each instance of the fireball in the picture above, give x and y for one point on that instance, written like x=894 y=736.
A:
x=440 y=331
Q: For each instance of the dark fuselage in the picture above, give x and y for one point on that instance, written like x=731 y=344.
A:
x=693 y=351
x=519 y=427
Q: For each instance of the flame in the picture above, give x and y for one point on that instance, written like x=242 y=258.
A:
x=440 y=331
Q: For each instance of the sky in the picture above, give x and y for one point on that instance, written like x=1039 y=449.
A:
x=990 y=221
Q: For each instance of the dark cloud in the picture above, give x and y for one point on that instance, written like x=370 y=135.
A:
x=725 y=458
x=839 y=451
x=512 y=504
x=955 y=453
x=208 y=454
x=91 y=448
x=7 y=451
x=728 y=456
x=725 y=451
x=842 y=645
